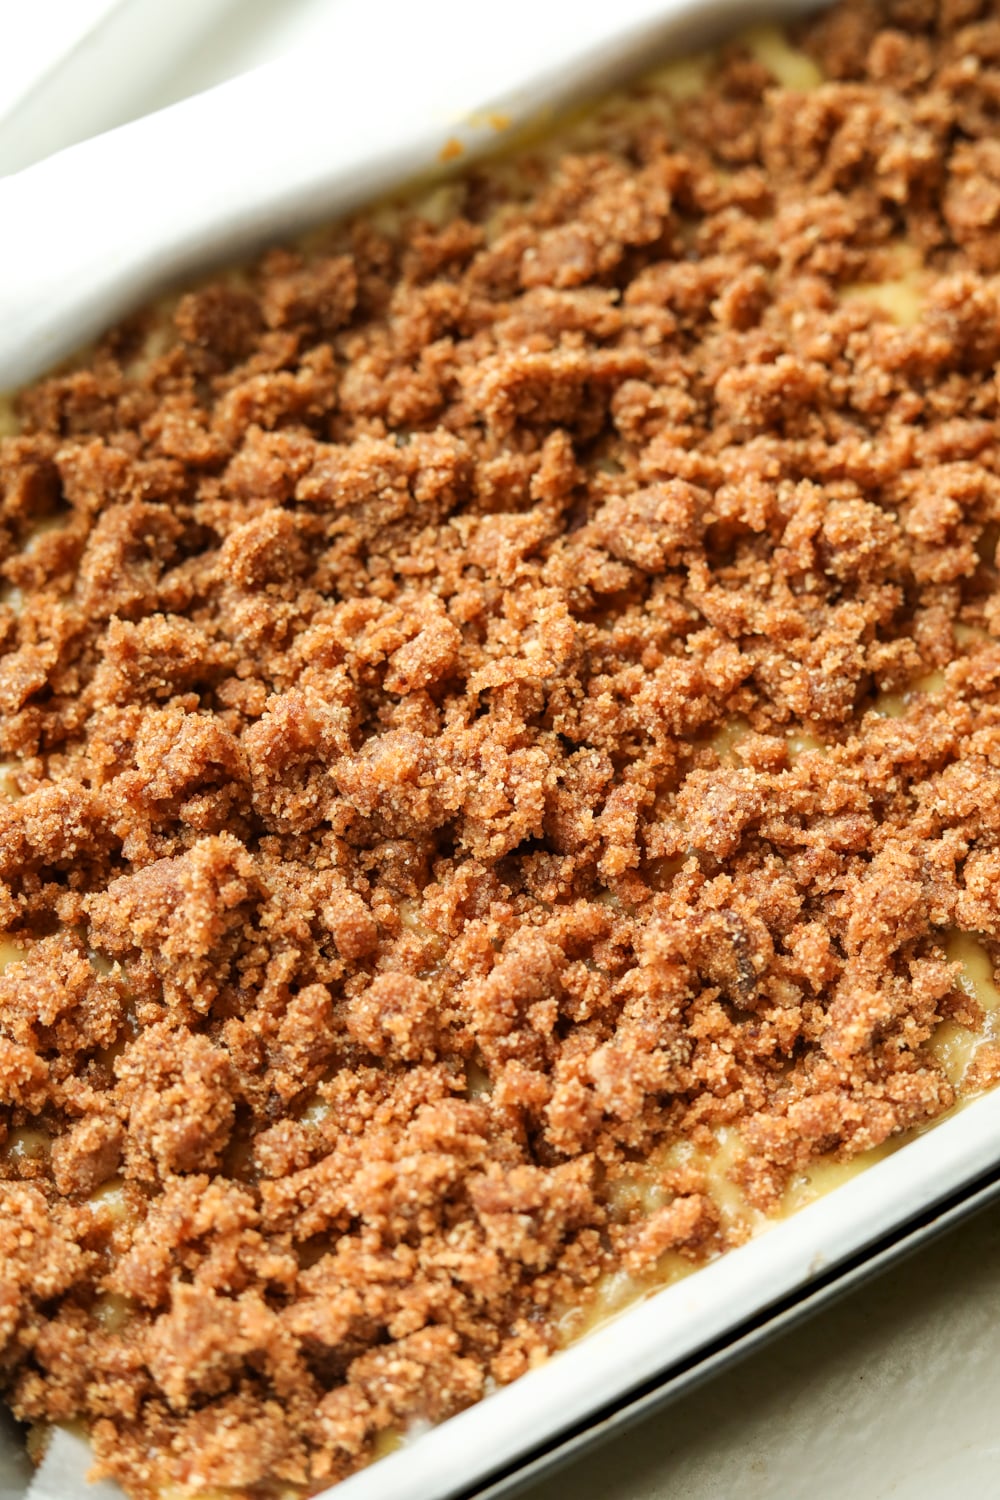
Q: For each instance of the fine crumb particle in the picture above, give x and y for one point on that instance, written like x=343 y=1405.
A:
x=492 y=706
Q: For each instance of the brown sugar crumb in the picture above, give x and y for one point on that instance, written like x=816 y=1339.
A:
x=490 y=705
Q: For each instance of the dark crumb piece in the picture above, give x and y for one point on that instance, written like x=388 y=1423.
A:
x=448 y=709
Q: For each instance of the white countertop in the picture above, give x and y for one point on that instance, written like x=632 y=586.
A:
x=888 y=1393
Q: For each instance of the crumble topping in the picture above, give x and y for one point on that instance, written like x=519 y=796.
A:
x=492 y=707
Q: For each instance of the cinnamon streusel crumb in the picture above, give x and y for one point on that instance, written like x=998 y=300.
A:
x=459 y=691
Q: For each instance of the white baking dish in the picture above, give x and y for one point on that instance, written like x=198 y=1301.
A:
x=651 y=1339
x=101 y=226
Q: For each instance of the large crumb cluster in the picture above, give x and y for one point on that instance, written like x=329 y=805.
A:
x=445 y=683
